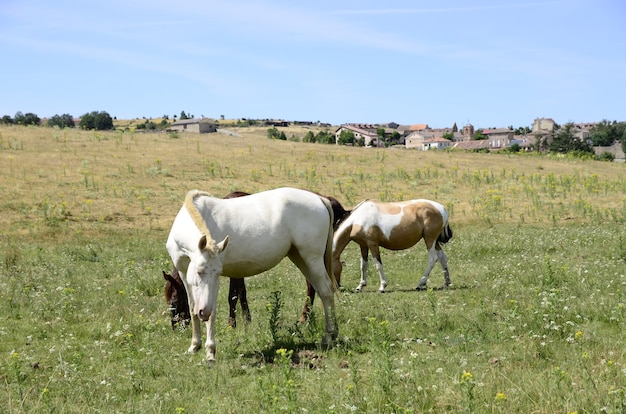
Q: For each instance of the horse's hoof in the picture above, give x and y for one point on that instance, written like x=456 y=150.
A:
x=193 y=349
x=421 y=287
x=358 y=290
x=210 y=361
x=381 y=290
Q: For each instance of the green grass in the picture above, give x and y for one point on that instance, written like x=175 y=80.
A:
x=535 y=315
x=534 y=320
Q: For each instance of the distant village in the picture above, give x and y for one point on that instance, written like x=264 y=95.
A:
x=423 y=137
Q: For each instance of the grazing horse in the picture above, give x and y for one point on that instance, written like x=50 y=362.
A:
x=176 y=294
x=245 y=236
x=176 y=297
x=394 y=226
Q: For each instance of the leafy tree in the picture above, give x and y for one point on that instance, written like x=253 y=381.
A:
x=380 y=132
x=99 y=121
x=346 y=137
x=7 y=120
x=602 y=134
x=88 y=121
x=325 y=137
x=521 y=130
x=18 y=118
x=396 y=137
x=478 y=135
x=565 y=140
x=542 y=143
x=606 y=133
x=308 y=137
x=515 y=148
x=26 y=119
x=183 y=115
x=104 y=121
x=447 y=135
x=62 y=121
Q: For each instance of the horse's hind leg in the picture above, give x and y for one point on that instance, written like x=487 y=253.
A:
x=443 y=261
x=315 y=273
x=433 y=256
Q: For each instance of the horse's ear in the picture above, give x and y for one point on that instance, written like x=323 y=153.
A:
x=169 y=279
x=222 y=245
x=202 y=243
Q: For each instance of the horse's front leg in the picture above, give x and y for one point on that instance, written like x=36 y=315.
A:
x=196 y=333
x=210 y=338
x=243 y=300
x=379 y=266
x=364 y=266
x=233 y=295
x=196 y=326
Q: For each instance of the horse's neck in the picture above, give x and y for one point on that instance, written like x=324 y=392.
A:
x=341 y=238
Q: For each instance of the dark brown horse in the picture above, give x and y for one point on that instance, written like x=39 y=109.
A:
x=176 y=298
x=176 y=295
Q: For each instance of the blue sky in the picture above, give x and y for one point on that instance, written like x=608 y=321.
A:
x=490 y=63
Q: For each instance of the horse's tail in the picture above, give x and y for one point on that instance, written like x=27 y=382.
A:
x=446 y=234
x=328 y=255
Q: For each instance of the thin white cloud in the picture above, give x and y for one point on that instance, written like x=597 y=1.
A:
x=459 y=9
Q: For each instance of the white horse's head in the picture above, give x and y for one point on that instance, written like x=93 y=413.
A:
x=203 y=276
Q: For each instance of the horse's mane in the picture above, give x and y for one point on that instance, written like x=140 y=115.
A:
x=197 y=217
x=347 y=213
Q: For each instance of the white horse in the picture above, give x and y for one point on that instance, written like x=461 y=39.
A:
x=245 y=236
x=394 y=226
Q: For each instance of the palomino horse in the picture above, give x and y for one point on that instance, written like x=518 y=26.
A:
x=255 y=233
x=394 y=226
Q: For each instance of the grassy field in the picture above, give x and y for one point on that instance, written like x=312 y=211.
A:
x=534 y=321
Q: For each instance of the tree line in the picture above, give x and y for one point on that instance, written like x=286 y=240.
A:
x=562 y=140
x=98 y=120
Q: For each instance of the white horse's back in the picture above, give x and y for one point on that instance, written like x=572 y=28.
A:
x=261 y=230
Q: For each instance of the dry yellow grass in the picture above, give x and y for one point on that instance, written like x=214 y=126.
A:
x=138 y=180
